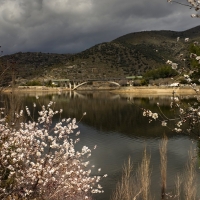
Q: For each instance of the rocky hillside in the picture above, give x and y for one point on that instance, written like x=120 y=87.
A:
x=131 y=54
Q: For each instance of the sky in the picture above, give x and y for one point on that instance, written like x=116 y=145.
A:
x=71 y=26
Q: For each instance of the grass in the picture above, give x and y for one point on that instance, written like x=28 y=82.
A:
x=126 y=188
x=190 y=186
x=144 y=176
x=135 y=184
x=178 y=183
x=163 y=165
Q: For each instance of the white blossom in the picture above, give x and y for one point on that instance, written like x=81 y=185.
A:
x=155 y=116
x=186 y=39
x=193 y=15
x=198 y=58
x=40 y=158
x=164 y=123
x=169 y=62
x=179 y=123
x=174 y=66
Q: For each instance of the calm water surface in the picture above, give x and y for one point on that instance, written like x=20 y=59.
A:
x=115 y=124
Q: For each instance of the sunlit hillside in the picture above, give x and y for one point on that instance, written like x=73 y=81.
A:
x=128 y=55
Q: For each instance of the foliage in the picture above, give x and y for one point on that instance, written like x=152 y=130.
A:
x=162 y=72
x=34 y=83
x=194 y=49
x=49 y=83
x=38 y=159
x=195 y=65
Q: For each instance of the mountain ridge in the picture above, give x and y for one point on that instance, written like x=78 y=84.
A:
x=127 y=55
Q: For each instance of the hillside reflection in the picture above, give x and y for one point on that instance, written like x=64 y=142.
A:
x=111 y=112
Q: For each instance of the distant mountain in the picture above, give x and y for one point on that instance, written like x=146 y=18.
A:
x=131 y=54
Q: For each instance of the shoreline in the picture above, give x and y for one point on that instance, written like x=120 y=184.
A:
x=156 y=90
x=136 y=90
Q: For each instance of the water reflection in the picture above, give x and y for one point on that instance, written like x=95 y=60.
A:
x=111 y=112
x=115 y=124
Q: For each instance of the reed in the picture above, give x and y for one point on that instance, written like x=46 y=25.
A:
x=163 y=165
x=144 y=176
x=178 y=183
x=126 y=188
x=190 y=178
x=135 y=184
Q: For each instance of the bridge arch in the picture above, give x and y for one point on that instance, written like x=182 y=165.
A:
x=79 y=85
x=115 y=83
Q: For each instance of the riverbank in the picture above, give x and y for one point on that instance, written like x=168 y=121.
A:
x=137 y=91
x=156 y=90
x=56 y=89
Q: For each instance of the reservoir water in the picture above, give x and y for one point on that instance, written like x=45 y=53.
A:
x=116 y=125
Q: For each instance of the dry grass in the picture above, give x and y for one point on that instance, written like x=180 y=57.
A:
x=163 y=165
x=187 y=181
x=144 y=176
x=190 y=178
x=178 y=183
x=136 y=185
x=126 y=189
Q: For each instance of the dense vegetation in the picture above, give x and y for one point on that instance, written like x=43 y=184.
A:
x=162 y=72
x=194 y=63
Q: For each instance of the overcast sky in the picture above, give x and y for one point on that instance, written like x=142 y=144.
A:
x=70 y=26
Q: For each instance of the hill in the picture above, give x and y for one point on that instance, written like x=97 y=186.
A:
x=131 y=54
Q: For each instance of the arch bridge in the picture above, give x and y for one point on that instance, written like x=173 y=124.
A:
x=73 y=85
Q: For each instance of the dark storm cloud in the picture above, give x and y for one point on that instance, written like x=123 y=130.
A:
x=140 y=8
x=65 y=26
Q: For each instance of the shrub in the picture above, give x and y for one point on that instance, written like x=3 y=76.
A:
x=38 y=159
x=162 y=72
x=34 y=83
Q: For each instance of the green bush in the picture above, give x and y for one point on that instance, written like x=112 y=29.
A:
x=34 y=83
x=195 y=63
x=49 y=83
x=162 y=72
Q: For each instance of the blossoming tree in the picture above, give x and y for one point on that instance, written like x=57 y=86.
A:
x=38 y=159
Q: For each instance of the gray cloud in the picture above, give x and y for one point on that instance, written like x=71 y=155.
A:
x=67 y=26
